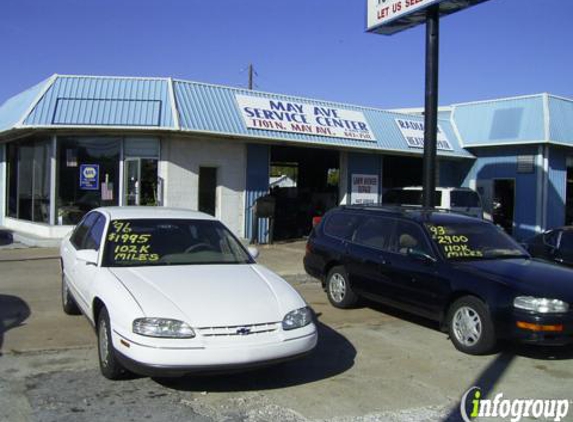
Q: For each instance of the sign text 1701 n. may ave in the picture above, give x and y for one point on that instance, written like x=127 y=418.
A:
x=296 y=117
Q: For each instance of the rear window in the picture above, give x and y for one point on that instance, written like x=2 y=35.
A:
x=341 y=225
x=464 y=198
x=408 y=197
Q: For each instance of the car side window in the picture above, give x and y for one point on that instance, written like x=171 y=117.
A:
x=409 y=236
x=375 y=232
x=341 y=225
x=78 y=237
x=551 y=238
x=94 y=236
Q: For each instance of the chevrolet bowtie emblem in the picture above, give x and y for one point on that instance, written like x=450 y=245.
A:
x=243 y=331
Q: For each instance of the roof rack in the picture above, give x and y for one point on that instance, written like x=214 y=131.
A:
x=403 y=208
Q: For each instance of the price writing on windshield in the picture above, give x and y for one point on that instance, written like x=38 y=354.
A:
x=454 y=246
x=130 y=246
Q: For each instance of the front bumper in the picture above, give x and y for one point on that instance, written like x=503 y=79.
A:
x=224 y=357
x=543 y=329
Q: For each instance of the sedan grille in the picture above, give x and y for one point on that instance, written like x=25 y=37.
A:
x=239 y=330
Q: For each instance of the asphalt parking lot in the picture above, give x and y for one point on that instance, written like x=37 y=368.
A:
x=371 y=364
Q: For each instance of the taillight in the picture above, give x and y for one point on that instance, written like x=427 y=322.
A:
x=308 y=248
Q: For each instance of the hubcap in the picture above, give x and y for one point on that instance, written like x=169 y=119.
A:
x=467 y=326
x=103 y=343
x=337 y=287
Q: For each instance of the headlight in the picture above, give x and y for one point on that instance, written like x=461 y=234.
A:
x=161 y=327
x=297 y=319
x=541 y=305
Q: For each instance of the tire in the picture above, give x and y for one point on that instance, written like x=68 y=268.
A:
x=470 y=326
x=108 y=363
x=69 y=304
x=338 y=289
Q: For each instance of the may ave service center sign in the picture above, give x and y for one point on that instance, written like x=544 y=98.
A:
x=296 y=117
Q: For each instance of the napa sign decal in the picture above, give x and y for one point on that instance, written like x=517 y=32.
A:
x=89 y=176
x=295 y=117
x=413 y=133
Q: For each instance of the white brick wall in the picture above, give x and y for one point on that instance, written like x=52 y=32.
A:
x=179 y=168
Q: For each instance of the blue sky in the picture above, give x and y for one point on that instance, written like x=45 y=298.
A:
x=311 y=48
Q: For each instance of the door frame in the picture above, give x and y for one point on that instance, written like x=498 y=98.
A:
x=138 y=158
x=514 y=180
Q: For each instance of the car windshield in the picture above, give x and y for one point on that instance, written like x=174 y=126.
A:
x=147 y=242
x=475 y=241
x=566 y=244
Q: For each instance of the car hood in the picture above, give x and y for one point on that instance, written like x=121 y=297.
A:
x=526 y=276
x=211 y=295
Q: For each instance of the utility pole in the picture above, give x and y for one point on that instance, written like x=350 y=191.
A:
x=251 y=72
x=431 y=106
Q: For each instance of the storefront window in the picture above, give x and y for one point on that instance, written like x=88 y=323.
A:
x=28 y=184
x=12 y=183
x=88 y=176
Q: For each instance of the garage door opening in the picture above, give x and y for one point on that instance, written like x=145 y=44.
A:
x=399 y=172
x=304 y=182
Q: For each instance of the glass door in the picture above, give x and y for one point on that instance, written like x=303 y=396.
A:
x=140 y=181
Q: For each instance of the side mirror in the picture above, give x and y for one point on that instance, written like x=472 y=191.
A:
x=254 y=252
x=89 y=256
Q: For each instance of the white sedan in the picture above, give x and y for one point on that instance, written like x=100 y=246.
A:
x=172 y=292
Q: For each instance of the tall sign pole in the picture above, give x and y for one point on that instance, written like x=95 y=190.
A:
x=431 y=104
x=388 y=17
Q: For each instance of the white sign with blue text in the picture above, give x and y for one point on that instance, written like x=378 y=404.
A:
x=413 y=133
x=309 y=119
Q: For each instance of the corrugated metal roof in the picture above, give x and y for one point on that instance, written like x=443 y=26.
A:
x=501 y=122
x=213 y=108
x=14 y=109
x=104 y=101
x=561 y=120
x=163 y=104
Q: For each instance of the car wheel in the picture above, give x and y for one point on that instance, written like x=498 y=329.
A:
x=68 y=302
x=470 y=326
x=108 y=363
x=338 y=289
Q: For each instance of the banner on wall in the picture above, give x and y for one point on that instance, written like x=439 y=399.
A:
x=364 y=189
x=302 y=118
x=89 y=177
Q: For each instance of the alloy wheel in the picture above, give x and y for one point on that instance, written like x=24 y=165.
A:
x=337 y=287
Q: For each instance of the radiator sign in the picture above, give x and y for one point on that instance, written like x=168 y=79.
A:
x=295 y=117
x=413 y=133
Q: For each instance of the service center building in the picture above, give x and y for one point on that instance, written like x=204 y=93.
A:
x=73 y=143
